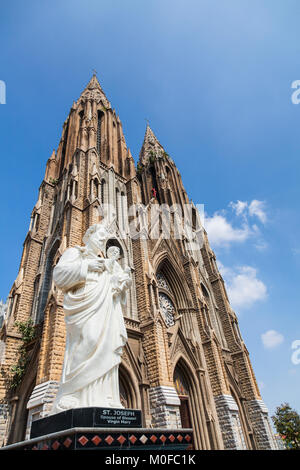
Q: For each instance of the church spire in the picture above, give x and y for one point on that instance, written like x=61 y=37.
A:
x=93 y=90
x=151 y=147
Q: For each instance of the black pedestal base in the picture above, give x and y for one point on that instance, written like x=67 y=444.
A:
x=87 y=418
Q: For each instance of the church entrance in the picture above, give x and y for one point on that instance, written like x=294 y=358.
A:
x=185 y=412
x=183 y=391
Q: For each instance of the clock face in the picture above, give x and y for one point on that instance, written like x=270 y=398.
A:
x=167 y=308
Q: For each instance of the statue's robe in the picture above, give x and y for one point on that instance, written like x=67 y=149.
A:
x=95 y=333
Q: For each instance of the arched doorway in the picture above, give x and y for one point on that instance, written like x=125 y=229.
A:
x=124 y=395
x=128 y=396
x=183 y=390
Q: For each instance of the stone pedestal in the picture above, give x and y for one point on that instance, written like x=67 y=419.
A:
x=87 y=418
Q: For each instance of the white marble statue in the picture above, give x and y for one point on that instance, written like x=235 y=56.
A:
x=94 y=290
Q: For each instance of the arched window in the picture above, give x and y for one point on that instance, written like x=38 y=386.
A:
x=47 y=280
x=118 y=205
x=100 y=114
x=194 y=219
x=214 y=320
x=64 y=147
x=14 y=305
x=122 y=204
x=36 y=222
x=55 y=211
x=165 y=297
x=128 y=396
x=103 y=191
x=123 y=394
x=35 y=298
x=167 y=308
x=74 y=189
x=96 y=188
x=81 y=118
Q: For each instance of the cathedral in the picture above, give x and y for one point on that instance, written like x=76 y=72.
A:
x=185 y=364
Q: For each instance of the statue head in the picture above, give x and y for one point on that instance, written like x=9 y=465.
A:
x=95 y=237
x=113 y=252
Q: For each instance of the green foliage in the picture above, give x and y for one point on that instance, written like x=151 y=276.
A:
x=27 y=331
x=53 y=181
x=287 y=423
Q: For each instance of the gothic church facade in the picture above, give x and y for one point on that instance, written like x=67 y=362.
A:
x=185 y=363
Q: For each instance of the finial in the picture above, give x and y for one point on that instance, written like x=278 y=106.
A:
x=94 y=72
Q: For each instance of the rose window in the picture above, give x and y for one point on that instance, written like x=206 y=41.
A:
x=167 y=308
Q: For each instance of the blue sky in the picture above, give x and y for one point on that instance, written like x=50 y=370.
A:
x=214 y=79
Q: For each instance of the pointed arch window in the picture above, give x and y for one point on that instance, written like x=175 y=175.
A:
x=100 y=114
x=122 y=210
x=36 y=223
x=118 y=205
x=167 y=308
x=162 y=282
x=166 y=303
x=95 y=188
x=213 y=316
x=74 y=189
x=54 y=210
x=46 y=285
x=35 y=298
x=64 y=147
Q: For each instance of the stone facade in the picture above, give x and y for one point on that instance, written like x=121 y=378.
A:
x=185 y=364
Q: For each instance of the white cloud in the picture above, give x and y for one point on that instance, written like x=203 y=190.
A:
x=257 y=208
x=221 y=232
x=254 y=208
x=243 y=286
x=271 y=339
x=239 y=207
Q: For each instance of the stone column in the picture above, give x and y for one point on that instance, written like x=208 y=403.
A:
x=40 y=402
x=5 y=412
x=230 y=424
x=164 y=407
x=259 y=418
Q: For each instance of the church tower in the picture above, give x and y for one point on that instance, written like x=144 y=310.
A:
x=185 y=363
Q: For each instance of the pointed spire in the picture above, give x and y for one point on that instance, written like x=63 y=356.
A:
x=151 y=147
x=94 y=91
x=94 y=83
